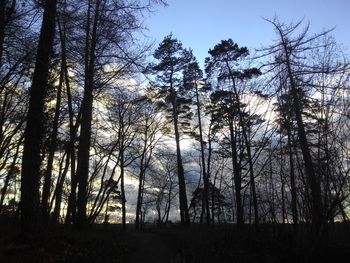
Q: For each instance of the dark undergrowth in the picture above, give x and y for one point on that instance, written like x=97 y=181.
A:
x=224 y=243
x=272 y=243
x=62 y=244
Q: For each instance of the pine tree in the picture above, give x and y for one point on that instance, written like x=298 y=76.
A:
x=194 y=85
x=221 y=67
x=172 y=59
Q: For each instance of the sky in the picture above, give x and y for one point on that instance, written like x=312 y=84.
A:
x=201 y=24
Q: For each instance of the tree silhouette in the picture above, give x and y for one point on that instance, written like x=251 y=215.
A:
x=172 y=60
x=34 y=128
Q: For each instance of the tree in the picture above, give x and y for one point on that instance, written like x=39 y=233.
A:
x=286 y=123
x=221 y=64
x=287 y=49
x=16 y=64
x=86 y=112
x=160 y=186
x=7 y=10
x=34 y=127
x=149 y=129
x=218 y=205
x=193 y=82
x=51 y=151
x=124 y=114
x=172 y=60
x=109 y=28
x=293 y=59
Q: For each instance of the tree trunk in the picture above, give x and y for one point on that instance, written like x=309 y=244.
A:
x=236 y=176
x=85 y=130
x=205 y=199
x=139 y=195
x=252 y=182
x=283 y=194
x=59 y=190
x=9 y=176
x=141 y=180
x=122 y=187
x=34 y=130
x=184 y=215
x=144 y=165
x=5 y=15
x=169 y=202
x=52 y=149
x=316 y=199
x=248 y=149
x=2 y=27
x=292 y=178
x=71 y=208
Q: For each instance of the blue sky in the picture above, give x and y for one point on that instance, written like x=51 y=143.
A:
x=200 y=24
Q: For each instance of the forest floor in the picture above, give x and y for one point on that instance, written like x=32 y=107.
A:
x=176 y=244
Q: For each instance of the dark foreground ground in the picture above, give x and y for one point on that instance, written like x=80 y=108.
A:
x=273 y=243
